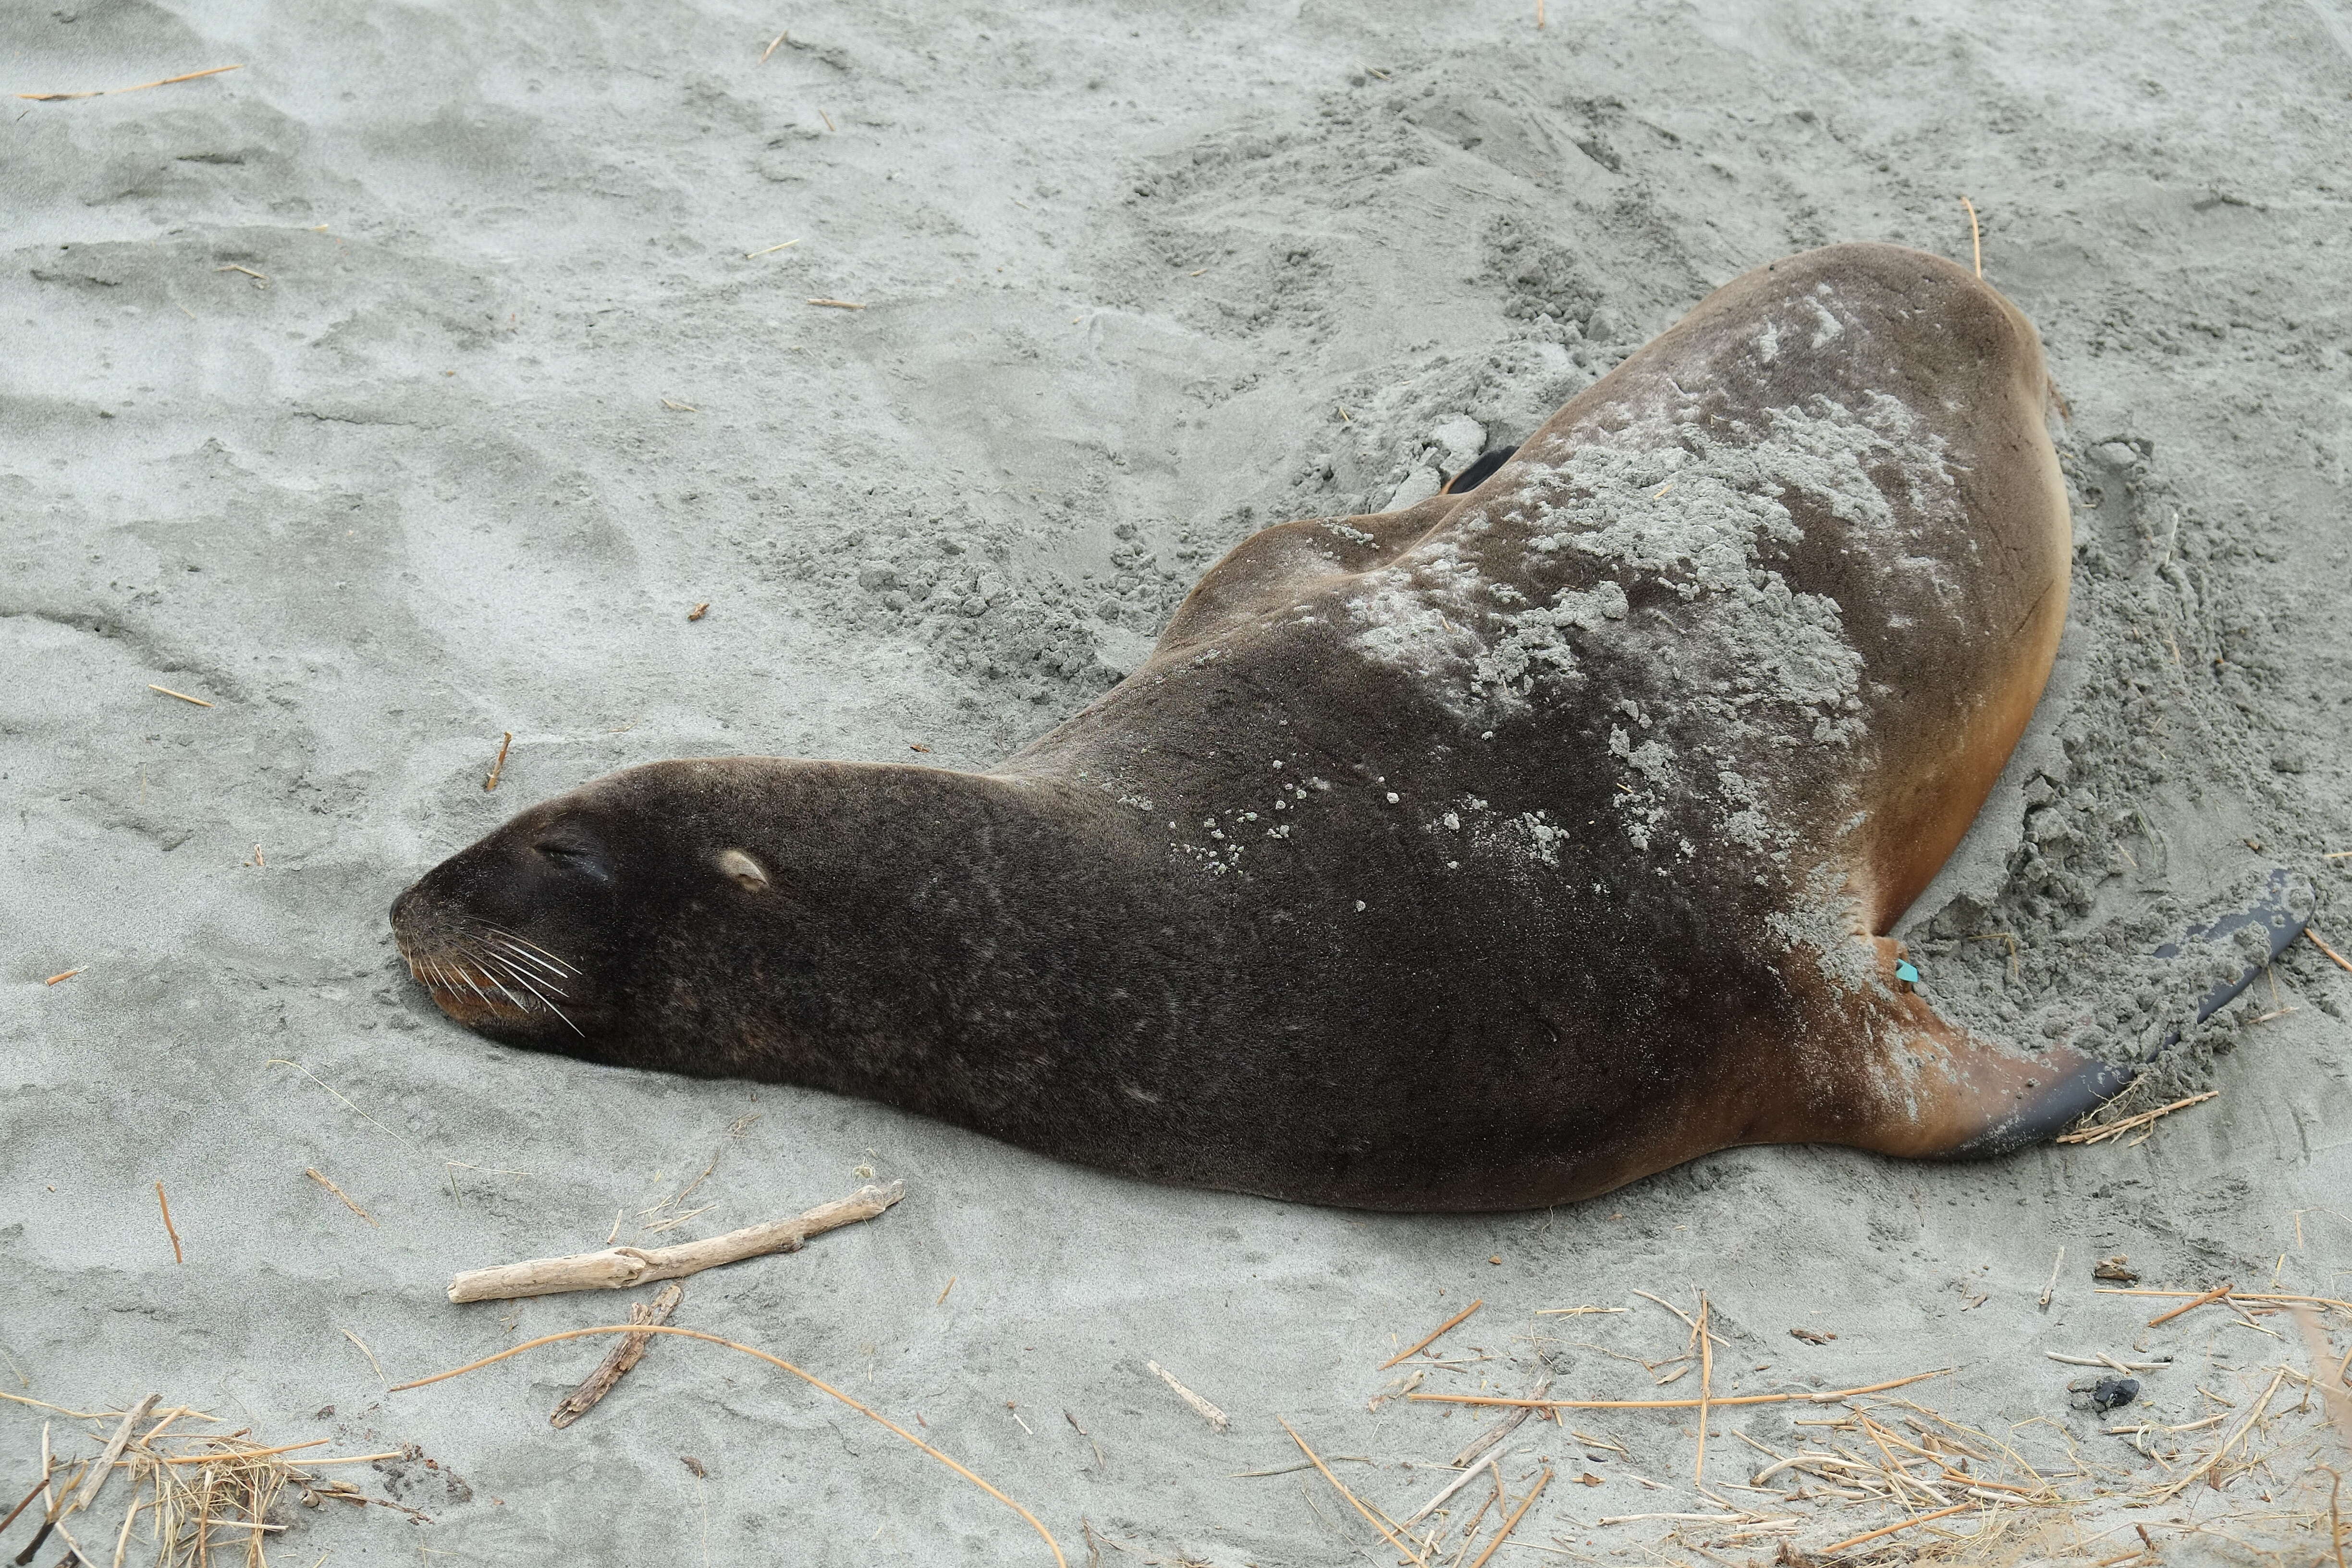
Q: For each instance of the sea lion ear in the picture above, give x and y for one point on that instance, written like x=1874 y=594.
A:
x=745 y=872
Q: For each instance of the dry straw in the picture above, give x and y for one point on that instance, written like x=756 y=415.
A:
x=114 y=91
x=207 y=1496
x=1883 y=1477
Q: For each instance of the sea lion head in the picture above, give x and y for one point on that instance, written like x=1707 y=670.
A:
x=580 y=925
x=759 y=917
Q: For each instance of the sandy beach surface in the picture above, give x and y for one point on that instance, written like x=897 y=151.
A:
x=408 y=386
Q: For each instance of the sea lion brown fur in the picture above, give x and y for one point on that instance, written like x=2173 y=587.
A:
x=1483 y=855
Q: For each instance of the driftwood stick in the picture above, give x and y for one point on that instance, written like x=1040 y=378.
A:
x=97 y=1478
x=618 y=1267
x=615 y=1366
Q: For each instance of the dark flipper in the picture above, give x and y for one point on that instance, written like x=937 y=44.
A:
x=1479 y=472
x=2096 y=1082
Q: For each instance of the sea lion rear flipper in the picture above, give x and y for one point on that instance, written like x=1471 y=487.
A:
x=1949 y=1093
x=1900 y=1079
x=2273 y=915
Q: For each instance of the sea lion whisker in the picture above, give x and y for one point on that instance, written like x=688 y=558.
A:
x=511 y=948
x=552 y=1008
x=467 y=975
x=490 y=972
x=510 y=936
x=505 y=990
x=538 y=958
x=523 y=981
x=450 y=977
x=545 y=970
x=534 y=981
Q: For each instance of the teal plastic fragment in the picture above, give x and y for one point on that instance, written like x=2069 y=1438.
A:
x=1905 y=973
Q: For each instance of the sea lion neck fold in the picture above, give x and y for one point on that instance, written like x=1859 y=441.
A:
x=1483 y=855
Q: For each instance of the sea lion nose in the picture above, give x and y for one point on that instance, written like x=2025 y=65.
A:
x=407 y=911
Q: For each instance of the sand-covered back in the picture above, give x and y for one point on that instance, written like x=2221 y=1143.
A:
x=409 y=385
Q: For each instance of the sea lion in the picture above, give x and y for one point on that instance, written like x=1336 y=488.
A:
x=1484 y=855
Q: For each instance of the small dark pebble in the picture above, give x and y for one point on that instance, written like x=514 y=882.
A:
x=2113 y=1392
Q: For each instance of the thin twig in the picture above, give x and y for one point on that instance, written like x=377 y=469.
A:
x=1456 y=1485
x=2189 y=1306
x=2341 y=961
x=1706 y=1386
x=313 y=1174
x=1431 y=1338
x=367 y=1352
x=1678 y=1313
x=169 y=1229
x=1976 y=241
x=1197 y=1406
x=1501 y=1429
x=38 y=1487
x=1906 y=1524
x=1519 y=1513
x=500 y=767
x=241 y=1454
x=165 y=689
x=2335 y=1518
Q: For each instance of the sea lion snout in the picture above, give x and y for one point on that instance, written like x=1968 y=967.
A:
x=475 y=931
